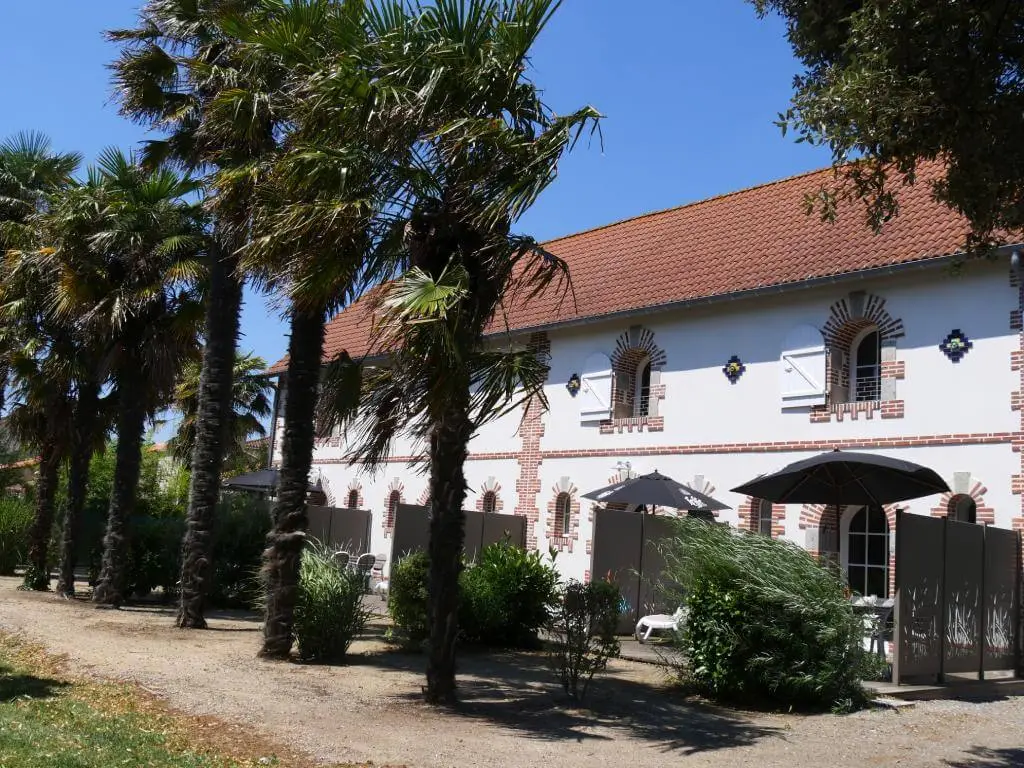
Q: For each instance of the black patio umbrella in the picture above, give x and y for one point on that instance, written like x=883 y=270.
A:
x=843 y=478
x=657 y=490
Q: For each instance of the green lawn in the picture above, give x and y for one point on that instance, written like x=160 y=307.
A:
x=48 y=720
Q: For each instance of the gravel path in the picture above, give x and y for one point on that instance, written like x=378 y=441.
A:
x=369 y=711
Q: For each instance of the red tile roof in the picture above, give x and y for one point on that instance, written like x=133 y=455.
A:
x=754 y=238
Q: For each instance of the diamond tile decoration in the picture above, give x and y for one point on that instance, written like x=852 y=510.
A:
x=956 y=345
x=734 y=369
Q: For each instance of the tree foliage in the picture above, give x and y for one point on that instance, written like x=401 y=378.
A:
x=891 y=84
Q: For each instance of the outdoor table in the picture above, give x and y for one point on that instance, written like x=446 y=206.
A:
x=880 y=610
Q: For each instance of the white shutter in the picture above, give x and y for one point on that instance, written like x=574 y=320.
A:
x=595 y=397
x=802 y=368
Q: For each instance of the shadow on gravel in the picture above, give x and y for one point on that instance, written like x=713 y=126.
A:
x=518 y=692
x=983 y=757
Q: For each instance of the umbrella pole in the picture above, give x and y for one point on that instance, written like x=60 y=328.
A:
x=640 y=567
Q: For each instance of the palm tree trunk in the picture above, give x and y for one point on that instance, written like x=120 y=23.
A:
x=288 y=536
x=5 y=375
x=131 y=420
x=78 y=484
x=213 y=422
x=449 y=443
x=37 y=576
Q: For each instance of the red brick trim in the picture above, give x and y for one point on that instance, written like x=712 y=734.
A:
x=749 y=517
x=908 y=441
x=490 y=488
x=531 y=430
x=841 y=329
x=632 y=347
x=1016 y=439
x=985 y=515
x=637 y=424
x=424 y=497
x=556 y=536
x=1017 y=365
x=391 y=501
x=918 y=441
x=356 y=488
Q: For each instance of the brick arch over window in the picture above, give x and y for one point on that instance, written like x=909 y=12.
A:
x=491 y=488
x=395 y=495
x=563 y=491
x=750 y=516
x=424 y=497
x=634 y=348
x=354 y=493
x=964 y=484
x=825 y=520
x=848 y=319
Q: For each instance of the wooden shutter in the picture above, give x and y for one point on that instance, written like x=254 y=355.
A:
x=802 y=368
x=595 y=397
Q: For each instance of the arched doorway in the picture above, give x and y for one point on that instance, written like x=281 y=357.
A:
x=865 y=550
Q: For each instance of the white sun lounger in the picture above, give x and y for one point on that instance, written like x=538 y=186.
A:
x=648 y=624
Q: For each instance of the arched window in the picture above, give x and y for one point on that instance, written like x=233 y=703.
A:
x=867 y=552
x=963 y=508
x=643 y=388
x=353 y=499
x=563 y=514
x=490 y=503
x=764 y=518
x=866 y=366
x=394 y=499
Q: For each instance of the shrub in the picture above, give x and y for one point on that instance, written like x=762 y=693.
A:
x=154 y=555
x=766 y=621
x=506 y=597
x=407 y=598
x=239 y=538
x=15 y=520
x=329 y=611
x=583 y=633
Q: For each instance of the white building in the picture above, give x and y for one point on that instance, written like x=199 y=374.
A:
x=838 y=338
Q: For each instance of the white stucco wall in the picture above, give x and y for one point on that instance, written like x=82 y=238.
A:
x=710 y=423
x=702 y=407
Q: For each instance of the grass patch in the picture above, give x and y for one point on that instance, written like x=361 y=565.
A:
x=48 y=718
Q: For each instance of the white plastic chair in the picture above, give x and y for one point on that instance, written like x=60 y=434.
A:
x=648 y=624
x=341 y=559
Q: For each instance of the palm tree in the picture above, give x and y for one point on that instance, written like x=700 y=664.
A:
x=138 y=280
x=175 y=68
x=42 y=391
x=29 y=170
x=34 y=346
x=250 y=407
x=74 y=215
x=315 y=230
x=486 y=146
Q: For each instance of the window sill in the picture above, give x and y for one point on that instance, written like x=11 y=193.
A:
x=889 y=409
x=633 y=424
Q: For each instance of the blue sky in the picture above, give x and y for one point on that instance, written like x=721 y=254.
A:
x=689 y=89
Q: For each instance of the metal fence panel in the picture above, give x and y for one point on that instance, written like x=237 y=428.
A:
x=963 y=582
x=1002 y=598
x=652 y=595
x=918 y=630
x=412 y=531
x=319 y=527
x=496 y=527
x=616 y=556
x=350 y=530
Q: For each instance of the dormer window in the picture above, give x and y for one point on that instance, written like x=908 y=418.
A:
x=642 y=401
x=865 y=367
